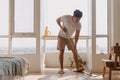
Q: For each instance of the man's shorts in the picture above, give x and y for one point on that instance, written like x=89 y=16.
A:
x=62 y=42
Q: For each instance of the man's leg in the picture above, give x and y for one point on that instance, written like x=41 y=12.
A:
x=70 y=46
x=79 y=67
x=60 y=47
x=61 y=56
x=75 y=58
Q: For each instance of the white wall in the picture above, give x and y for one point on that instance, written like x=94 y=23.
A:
x=116 y=22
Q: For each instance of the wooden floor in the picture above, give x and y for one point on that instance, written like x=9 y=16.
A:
x=52 y=74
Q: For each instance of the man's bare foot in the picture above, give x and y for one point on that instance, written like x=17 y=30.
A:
x=61 y=72
x=79 y=70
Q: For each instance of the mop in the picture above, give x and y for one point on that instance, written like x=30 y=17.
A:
x=83 y=65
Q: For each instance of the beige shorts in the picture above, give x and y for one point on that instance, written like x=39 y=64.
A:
x=63 y=41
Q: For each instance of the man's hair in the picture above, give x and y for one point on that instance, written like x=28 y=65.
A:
x=77 y=13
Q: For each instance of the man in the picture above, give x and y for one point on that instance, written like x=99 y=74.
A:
x=69 y=24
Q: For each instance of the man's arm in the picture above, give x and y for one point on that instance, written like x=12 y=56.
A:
x=76 y=37
x=59 y=23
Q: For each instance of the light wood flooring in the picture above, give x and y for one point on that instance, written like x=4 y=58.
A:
x=52 y=74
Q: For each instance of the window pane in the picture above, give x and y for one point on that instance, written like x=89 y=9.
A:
x=24 y=16
x=4 y=17
x=101 y=16
x=24 y=45
x=81 y=46
x=51 y=46
x=101 y=45
x=59 y=8
x=3 y=45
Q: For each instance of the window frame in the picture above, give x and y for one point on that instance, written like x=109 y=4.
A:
x=12 y=29
x=94 y=35
x=12 y=34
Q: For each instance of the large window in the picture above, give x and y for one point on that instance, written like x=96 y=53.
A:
x=101 y=27
x=24 y=25
x=63 y=7
x=17 y=16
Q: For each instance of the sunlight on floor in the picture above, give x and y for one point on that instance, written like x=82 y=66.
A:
x=34 y=77
x=97 y=78
x=52 y=74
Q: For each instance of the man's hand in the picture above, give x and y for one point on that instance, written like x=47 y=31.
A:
x=64 y=29
x=75 y=49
